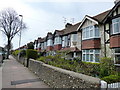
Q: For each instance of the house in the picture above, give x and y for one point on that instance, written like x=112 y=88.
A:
x=92 y=38
x=71 y=40
x=92 y=33
x=112 y=32
x=57 y=37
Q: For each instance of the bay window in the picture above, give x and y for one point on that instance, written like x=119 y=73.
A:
x=50 y=42
x=65 y=41
x=57 y=40
x=91 y=55
x=45 y=45
x=90 y=32
x=116 y=26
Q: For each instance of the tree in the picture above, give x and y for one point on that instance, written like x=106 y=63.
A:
x=10 y=25
x=6 y=46
x=30 y=45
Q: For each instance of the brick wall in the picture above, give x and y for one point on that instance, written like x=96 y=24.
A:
x=91 y=44
x=115 y=41
x=57 y=47
x=60 y=78
x=49 y=48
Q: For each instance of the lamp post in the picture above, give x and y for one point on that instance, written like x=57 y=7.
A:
x=20 y=35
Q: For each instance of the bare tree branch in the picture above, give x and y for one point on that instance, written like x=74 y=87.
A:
x=10 y=24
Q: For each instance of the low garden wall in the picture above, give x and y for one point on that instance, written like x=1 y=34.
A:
x=61 y=78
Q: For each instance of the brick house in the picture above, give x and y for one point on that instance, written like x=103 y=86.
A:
x=92 y=33
x=92 y=38
x=112 y=32
x=70 y=40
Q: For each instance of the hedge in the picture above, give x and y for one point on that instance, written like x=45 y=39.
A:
x=30 y=53
x=111 y=78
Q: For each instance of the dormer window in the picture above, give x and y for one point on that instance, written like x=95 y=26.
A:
x=90 y=32
x=116 y=26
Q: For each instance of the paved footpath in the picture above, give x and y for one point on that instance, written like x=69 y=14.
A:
x=15 y=75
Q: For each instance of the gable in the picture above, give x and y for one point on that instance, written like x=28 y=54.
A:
x=88 y=23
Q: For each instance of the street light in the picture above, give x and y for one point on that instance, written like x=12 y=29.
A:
x=20 y=35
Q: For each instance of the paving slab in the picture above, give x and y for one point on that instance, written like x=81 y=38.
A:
x=15 y=75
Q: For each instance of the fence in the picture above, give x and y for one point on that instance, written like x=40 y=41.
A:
x=109 y=86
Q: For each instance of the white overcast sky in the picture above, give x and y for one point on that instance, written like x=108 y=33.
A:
x=42 y=16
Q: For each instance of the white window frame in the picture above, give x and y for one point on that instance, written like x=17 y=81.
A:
x=113 y=23
x=57 y=40
x=114 y=53
x=84 y=52
x=88 y=29
x=49 y=42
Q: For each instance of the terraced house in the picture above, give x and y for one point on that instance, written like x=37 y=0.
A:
x=112 y=32
x=92 y=38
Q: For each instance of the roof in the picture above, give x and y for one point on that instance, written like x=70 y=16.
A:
x=43 y=39
x=97 y=19
x=101 y=16
x=71 y=49
x=59 y=32
x=110 y=12
x=71 y=29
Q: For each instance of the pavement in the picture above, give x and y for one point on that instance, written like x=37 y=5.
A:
x=15 y=75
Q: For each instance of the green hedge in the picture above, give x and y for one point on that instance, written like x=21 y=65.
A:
x=23 y=53
x=111 y=78
x=107 y=67
x=15 y=52
x=30 y=53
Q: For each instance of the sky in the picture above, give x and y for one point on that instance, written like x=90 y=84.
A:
x=42 y=16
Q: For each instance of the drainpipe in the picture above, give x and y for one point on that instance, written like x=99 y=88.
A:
x=104 y=41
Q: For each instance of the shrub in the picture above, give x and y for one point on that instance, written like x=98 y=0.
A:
x=90 y=68
x=22 y=53
x=30 y=45
x=87 y=68
x=30 y=53
x=111 y=78
x=41 y=59
x=15 y=53
x=106 y=67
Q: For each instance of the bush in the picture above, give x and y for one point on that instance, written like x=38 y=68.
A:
x=41 y=59
x=30 y=53
x=16 y=52
x=90 y=68
x=87 y=68
x=106 y=67
x=22 y=53
x=111 y=78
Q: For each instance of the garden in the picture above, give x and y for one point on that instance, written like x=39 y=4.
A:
x=104 y=70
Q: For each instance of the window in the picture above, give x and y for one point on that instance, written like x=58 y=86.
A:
x=57 y=40
x=50 y=42
x=45 y=45
x=91 y=55
x=116 y=25
x=90 y=32
x=117 y=56
x=74 y=37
